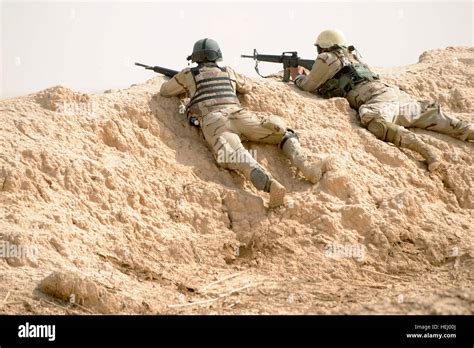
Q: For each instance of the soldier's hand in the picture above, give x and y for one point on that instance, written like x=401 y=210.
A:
x=294 y=72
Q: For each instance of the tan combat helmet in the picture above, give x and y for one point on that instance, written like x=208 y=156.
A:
x=329 y=38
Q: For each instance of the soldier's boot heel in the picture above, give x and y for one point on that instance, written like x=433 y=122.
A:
x=470 y=134
x=311 y=171
x=410 y=141
x=277 y=194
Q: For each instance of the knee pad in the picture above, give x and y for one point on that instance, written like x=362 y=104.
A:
x=290 y=133
x=275 y=123
x=378 y=127
x=383 y=130
x=260 y=179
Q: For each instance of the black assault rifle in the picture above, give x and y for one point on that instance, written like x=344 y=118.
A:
x=289 y=60
x=159 y=69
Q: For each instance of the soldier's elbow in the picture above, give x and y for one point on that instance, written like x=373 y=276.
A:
x=301 y=85
x=308 y=85
x=164 y=92
x=244 y=89
x=247 y=90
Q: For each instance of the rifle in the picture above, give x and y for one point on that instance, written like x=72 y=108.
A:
x=159 y=69
x=170 y=73
x=289 y=60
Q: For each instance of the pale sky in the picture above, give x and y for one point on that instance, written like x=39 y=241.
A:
x=91 y=46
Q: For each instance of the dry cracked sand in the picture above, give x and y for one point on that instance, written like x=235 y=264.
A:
x=114 y=204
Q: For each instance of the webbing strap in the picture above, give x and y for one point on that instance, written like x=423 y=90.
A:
x=211 y=97
x=220 y=90
x=212 y=85
x=223 y=78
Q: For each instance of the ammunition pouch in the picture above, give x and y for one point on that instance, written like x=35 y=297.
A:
x=345 y=80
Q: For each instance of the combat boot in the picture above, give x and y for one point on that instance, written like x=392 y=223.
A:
x=470 y=133
x=402 y=137
x=277 y=194
x=263 y=181
x=411 y=141
x=311 y=171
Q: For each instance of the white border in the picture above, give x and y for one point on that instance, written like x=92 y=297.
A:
x=245 y=1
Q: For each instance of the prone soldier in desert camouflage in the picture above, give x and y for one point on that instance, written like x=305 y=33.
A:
x=384 y=109
x=213 y=101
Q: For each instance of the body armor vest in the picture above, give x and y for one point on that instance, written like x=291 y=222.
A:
x=353 y=72
x=213 y=87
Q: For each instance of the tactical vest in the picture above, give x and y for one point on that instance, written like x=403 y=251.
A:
x=213 y=87
x=353 y=72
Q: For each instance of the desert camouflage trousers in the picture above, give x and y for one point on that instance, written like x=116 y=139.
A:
x=225 y=128
x=376 y=99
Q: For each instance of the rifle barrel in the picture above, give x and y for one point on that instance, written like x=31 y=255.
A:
x=269 y=58
x=159 y=69
x=307 y=63
x=142 y=65
x=164 y=71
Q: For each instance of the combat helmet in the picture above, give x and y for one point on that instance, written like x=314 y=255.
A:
x=328 y=38
x=206 y=50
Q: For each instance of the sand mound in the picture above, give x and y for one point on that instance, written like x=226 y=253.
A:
x=56 y=98
x=73 y=289
x=113 y=198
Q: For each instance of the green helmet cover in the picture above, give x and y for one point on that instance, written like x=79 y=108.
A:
x=206 y=50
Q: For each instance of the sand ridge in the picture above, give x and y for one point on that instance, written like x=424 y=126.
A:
x=128 y=212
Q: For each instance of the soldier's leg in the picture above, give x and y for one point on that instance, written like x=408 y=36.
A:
x=376 y=118
x=258 y=127
x=291 y=147
x=428 y=115
x=230 y=153
x=273 y=130
x=435 y=119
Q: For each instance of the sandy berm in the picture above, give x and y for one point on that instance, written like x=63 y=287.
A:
x=128 y=212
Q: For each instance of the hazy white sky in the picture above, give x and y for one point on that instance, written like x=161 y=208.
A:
x=92 y=45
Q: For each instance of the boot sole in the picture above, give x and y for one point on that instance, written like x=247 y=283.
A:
x=433 y=166
x=277 y=197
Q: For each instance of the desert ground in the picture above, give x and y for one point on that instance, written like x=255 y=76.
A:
x=113 y=203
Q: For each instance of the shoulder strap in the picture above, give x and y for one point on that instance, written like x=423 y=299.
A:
x=195 y=71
